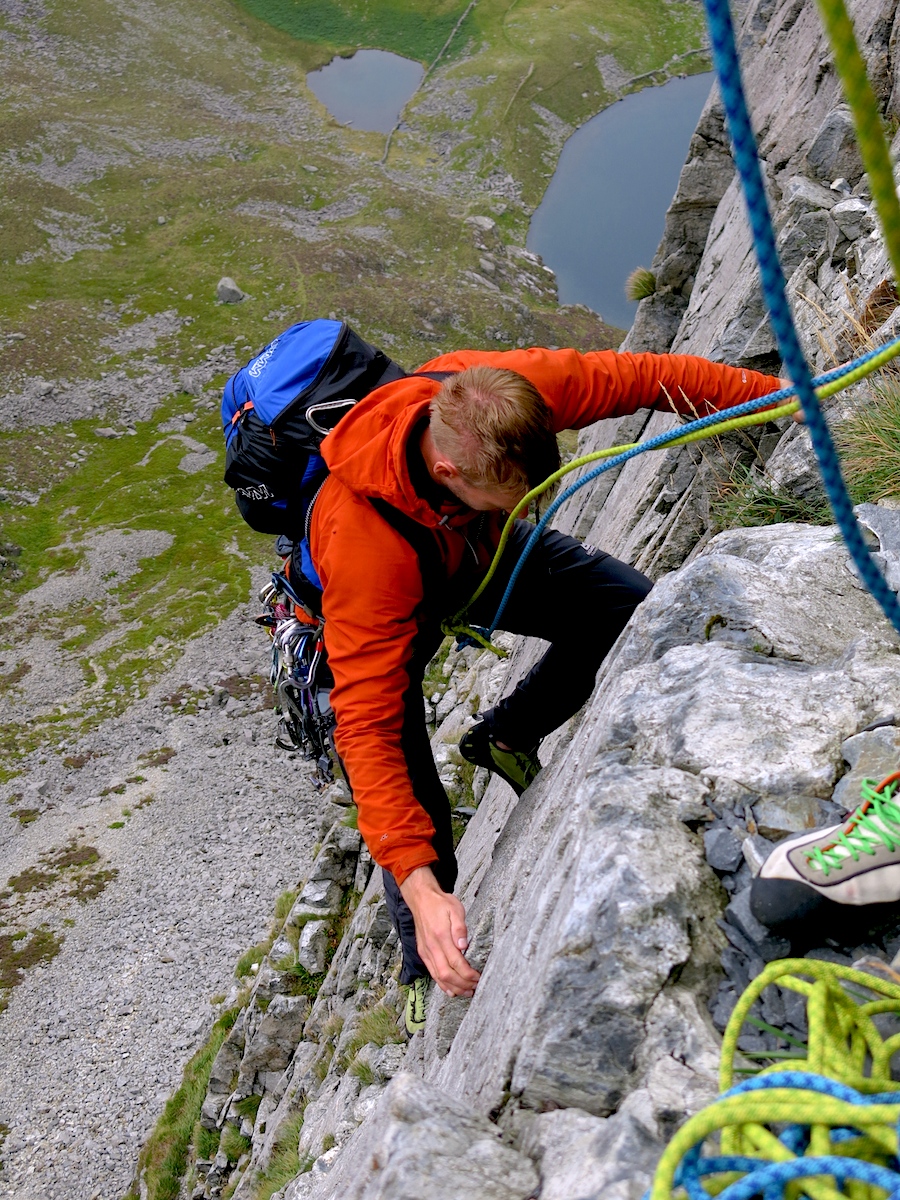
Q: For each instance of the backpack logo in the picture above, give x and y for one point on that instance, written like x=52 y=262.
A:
x=259 y=492
x=256 y=369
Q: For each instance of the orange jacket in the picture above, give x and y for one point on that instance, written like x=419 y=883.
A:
x=370 y=573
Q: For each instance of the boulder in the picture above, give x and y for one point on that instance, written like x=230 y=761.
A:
x=228 y=292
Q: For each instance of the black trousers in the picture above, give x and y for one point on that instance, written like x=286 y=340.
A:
x=578 y=600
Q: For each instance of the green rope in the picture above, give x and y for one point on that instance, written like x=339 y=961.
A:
x=454 y=624
x=843 y=1046
x=833 y=1017
x=873 y=146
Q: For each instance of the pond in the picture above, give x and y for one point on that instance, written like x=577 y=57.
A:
x=367 y=91
x=604 y=211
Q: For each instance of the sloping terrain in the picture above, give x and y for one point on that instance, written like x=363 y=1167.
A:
x=148 y=149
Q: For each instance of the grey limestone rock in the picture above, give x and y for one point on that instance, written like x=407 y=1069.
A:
x=277 y=1036
x=421 y=1144
x=722 y=847
x=587 y=941
x=871 y=755
x=834 y=151
x=583 y=1157
x=228 y=292
x=884 y=525
x=312 y=946
x=768 y=946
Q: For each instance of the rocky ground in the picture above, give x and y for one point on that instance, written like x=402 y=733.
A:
x=94 y=1039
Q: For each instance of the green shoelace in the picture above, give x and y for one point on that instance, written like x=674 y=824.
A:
x=868 y=828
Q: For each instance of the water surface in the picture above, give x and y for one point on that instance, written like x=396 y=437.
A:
x=367 y=91
x=604 y=210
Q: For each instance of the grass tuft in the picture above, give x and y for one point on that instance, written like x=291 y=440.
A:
x=163 y=1160
x=378 y=1026
x=205 y=1142
x=745 y=501
x=869 y=441
x=284 y=904
x=233 y=1145
x=284 y=1164
x=640 y=284
x=251 y=958
x=363 y=1072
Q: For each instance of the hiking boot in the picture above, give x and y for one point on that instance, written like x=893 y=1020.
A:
x=415 y=1004
x=517 y=767
x=834 y=872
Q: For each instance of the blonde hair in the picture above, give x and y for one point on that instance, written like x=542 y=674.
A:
x=496 y=428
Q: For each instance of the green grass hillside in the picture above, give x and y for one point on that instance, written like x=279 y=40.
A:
x=148 y=150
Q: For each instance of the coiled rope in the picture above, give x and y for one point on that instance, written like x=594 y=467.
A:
x=876 y=160
x=828 y=1120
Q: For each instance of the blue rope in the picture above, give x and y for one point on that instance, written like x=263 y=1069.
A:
x=768 y=1179
x=773 y=285
x=654 y=443
x=810 y=1082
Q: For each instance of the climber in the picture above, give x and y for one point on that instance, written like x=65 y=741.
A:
x=451 y=456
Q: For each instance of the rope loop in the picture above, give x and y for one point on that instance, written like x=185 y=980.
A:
x=829 y=1119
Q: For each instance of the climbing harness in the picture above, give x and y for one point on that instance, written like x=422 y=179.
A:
x=828 y=1120
x=299 y=676
x=876 y=160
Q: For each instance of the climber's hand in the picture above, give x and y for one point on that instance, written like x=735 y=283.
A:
x=441 y=934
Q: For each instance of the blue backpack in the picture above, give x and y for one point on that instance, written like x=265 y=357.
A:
x=277 y=409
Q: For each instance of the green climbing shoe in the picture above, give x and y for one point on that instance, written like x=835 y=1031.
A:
x=517 y=767
x=415 y=1004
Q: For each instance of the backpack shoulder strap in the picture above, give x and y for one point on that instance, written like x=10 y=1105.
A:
x=420 y=538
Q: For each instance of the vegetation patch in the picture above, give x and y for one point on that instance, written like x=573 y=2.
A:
x=377 y=1026
x=32 y=879
x=870 y=444
x=25 y=816
x=284 y=904
x=248 y=1107
x=163 y=1160
x=76 y=761
x=252 y=958
x=61 y=875
x=243 y=687
x=13 y=678
x=157 y=758
x=285 y=1163
x=205 y=1142
x=72 y=855
x=303 y=982
x=89 y=885
x=363 y=1072
x=747 y=499
x=21 y=950
x=232 y=1144
x=414 y=28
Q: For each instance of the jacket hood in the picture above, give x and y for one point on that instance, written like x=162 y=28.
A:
x=367 y=451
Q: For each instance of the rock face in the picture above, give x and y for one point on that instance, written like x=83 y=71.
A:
x=708 y=300
x=608 y=906
x=603 y=906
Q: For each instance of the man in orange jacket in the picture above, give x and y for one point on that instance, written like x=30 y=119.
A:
x=453 y=456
